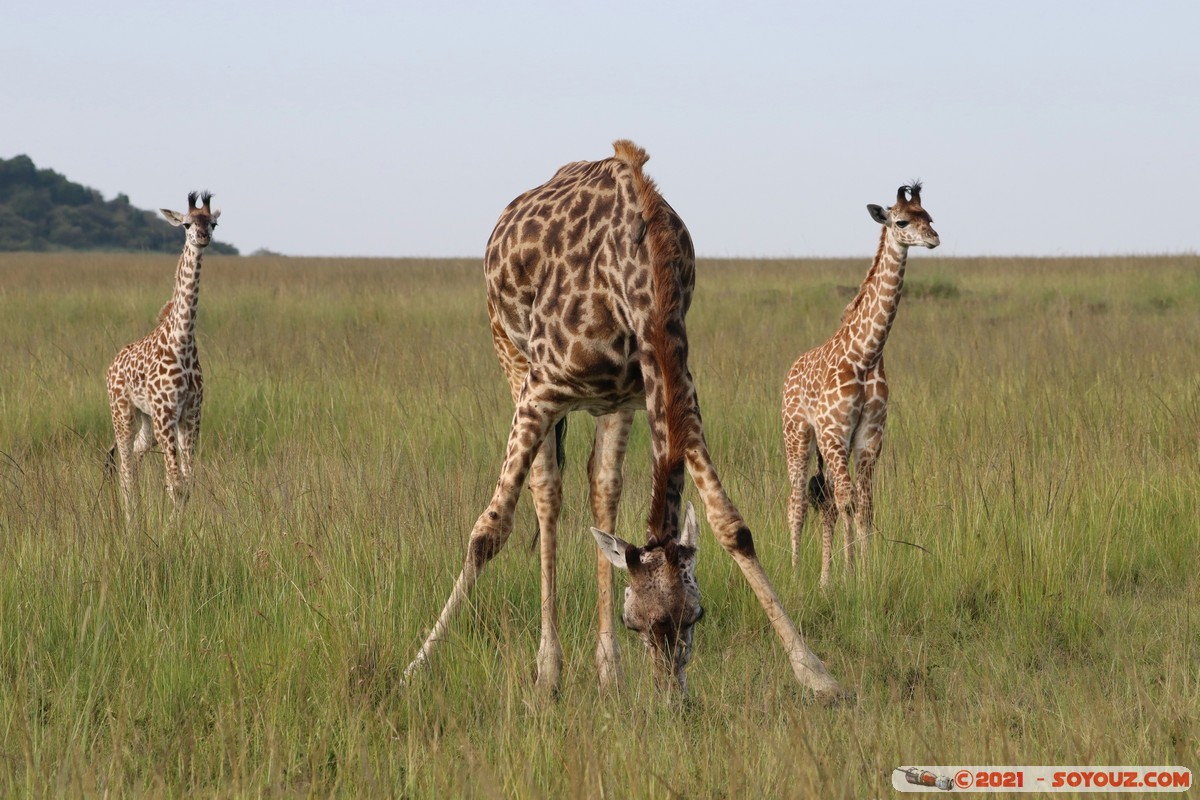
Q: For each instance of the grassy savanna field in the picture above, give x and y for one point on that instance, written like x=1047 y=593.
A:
x=1043 y=448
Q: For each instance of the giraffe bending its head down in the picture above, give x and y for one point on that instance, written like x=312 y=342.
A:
x=154 y=384
x=837 y=394
x=589 y=277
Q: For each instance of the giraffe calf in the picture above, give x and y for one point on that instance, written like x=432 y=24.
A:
x=836 y=395
x=155 y=386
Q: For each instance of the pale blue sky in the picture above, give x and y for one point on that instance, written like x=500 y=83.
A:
x=395 y=129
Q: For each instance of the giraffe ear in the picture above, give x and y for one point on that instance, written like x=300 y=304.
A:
x=615 y=549
x=216 y=214
x=878 y=214
x=173 y=217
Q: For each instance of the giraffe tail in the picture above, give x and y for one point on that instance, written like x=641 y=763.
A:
x=560 y=456
x=818 y=489
x=110 y=461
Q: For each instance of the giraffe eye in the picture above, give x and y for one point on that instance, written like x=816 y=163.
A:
x=902 y=223
x=187 y=225
x=214 y=225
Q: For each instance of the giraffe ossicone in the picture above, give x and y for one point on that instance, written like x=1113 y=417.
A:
x=589 y=278
x=836 y=395
x=155 y=385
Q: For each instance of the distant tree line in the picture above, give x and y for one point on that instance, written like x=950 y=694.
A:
x=41 y=210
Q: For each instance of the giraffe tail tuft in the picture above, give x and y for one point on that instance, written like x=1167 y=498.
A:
x=818 y=488
x=110 y=461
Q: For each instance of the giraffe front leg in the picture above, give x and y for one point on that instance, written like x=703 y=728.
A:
x=869 y=438
x=166 y=431
x=189 y=436
x=605 y=485
x=735 y=537
x=864 y=472
x=531 y=422
x=545 y=483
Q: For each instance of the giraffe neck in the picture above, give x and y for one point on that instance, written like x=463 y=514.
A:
x=182 y=322
x=869 y=317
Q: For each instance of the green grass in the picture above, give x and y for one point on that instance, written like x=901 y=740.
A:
x=1042 y=448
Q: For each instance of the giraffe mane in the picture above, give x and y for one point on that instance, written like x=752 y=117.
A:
x=667 y=337
x=858 y=298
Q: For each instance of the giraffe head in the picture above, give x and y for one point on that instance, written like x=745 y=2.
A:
x=907 y=222
x=662 y=601
x=199 y=221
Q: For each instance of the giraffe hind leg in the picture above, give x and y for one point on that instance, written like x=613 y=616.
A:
x=821 y=498
x=125 y=422
x=829 y=517
x=797 y=439
x=834 y=449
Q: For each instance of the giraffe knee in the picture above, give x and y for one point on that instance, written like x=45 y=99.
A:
x=482 y=549
x=487 y=539
x=739 y=541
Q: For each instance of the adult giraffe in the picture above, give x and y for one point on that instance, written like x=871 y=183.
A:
x=589 y=277
x=837 y=394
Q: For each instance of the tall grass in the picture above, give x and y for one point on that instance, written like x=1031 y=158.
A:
x=1042 y=450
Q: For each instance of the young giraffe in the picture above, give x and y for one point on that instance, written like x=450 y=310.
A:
x=154 y=384
x=837 y=393
x=589 y=277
